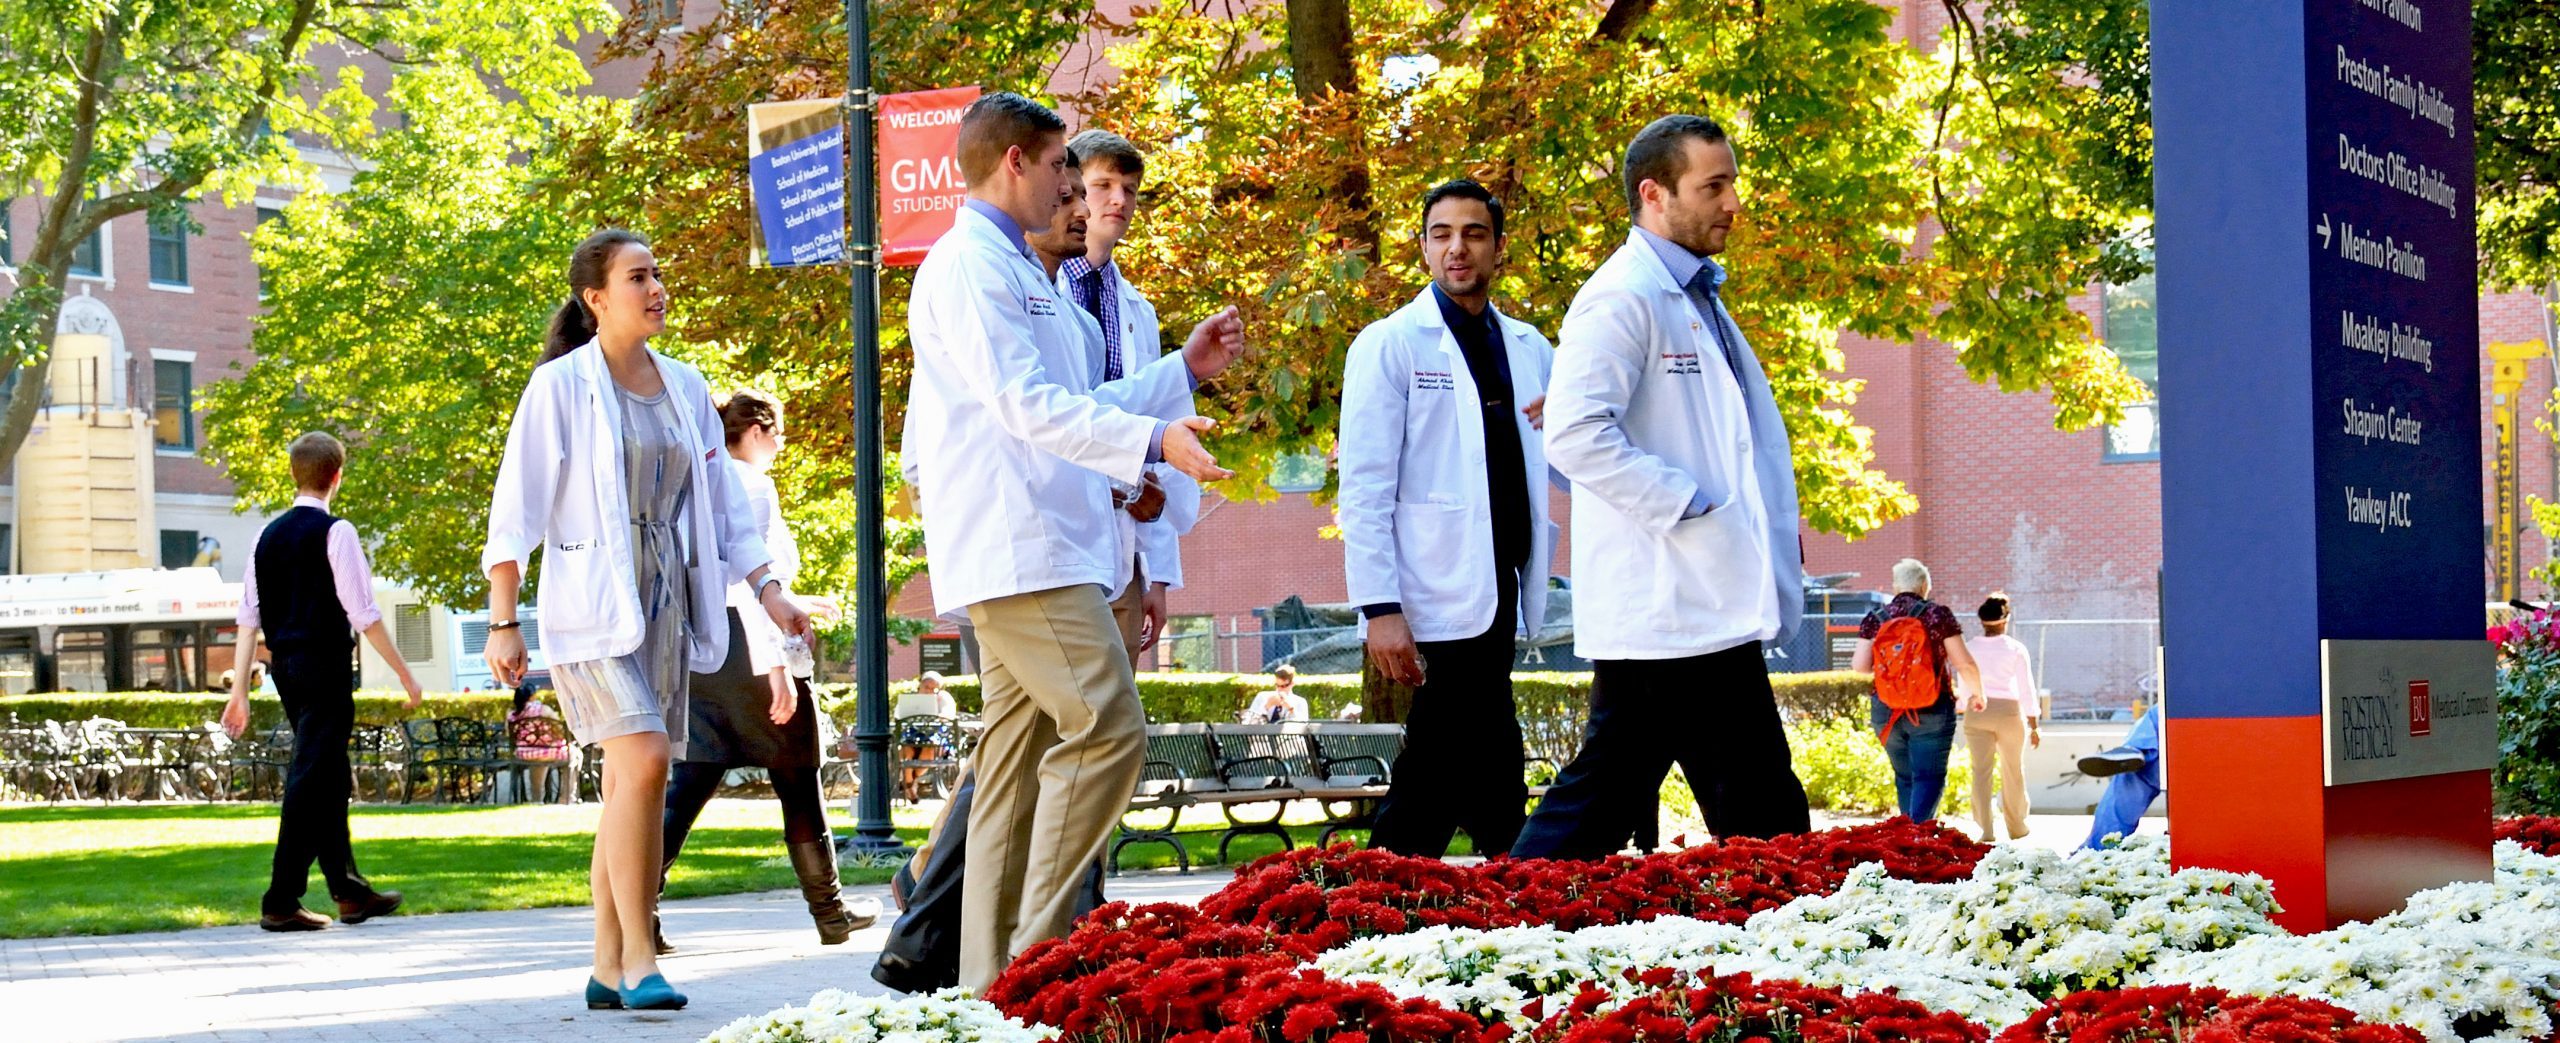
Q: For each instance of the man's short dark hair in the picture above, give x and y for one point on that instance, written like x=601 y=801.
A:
x=998 y=122
x=1102 y=144
x=1659 y=154
x=1462 y=188
x=316 y=458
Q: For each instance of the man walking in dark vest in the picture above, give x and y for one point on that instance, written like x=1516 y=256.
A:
x=308 y=586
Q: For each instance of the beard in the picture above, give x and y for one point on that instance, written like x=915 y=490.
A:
x=1470 y=285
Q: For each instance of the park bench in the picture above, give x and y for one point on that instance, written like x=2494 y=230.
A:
x=1231 y=766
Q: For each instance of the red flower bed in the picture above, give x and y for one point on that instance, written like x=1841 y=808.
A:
x=1170 y=972
x=1737 y=1007
x=2539 y=834
x=2197 y=1014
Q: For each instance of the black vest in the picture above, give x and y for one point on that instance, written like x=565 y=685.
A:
x=297 y=589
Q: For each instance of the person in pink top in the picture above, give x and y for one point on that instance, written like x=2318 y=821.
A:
x=2008 y=722
x=309 y=588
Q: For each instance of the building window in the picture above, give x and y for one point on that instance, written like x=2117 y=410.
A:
x=8 y=237
x=169 y=251
x=414 y=634
x=173 y=401
x=1297 y=472
x=90 y=257
x=178 y=547
x=2130 y=322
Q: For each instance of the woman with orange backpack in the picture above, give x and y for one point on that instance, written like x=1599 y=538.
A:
x=1913 y=649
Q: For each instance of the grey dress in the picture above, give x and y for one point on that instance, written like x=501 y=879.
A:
x=645 y=690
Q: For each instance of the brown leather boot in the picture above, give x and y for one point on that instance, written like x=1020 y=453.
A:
x=814 y=861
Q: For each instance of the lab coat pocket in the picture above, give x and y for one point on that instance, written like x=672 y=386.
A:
x=1694 y=578
x=1431 y=551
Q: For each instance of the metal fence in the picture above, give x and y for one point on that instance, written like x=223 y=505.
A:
x=2088 y=667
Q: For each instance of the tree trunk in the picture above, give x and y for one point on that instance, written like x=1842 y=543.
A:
x=1621 y=18
x=1321 y=62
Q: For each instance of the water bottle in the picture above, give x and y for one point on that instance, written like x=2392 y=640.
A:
x=796 y=656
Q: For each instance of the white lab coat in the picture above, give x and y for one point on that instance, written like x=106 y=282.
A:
x=561 y=487
x=1159 y=542
x=1415 y=510
x=1012 y=453
x=1642 y=414
x=764 y=638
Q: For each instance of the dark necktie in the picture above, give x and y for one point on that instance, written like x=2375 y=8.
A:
x=1702 y=287
x=1089 y=294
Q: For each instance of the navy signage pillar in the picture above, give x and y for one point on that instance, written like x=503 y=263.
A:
x=2331 y=720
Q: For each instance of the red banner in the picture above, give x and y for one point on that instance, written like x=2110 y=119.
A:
x=920 y=184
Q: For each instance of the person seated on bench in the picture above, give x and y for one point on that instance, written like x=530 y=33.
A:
x=1281 y=703
x=918 y=741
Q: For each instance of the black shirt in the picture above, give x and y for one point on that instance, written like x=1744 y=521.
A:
x=1506 y=471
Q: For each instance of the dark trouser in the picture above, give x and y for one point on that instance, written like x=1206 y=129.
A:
x=1917 y=742
x=927 y=933
x=1462 y=760
x=690 y=786
x=1714 y=715
x=318 y=695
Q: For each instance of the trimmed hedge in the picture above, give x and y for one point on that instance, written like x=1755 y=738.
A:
x=191 y=709
x=1552 y=705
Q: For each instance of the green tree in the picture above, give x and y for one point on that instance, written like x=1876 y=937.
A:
x=115 y=107
x=404 y=315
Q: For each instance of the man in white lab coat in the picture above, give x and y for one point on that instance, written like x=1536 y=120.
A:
x=1445 y=540
x=1018 y=464
x=1685 y=552
x=1112 y=170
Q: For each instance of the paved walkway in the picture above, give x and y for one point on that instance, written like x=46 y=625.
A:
x=489 y=977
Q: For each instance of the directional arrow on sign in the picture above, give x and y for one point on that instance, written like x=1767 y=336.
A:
x=2324 y=231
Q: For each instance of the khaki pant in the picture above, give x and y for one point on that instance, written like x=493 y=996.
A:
x=1999 y=728
x=1064 y=745
x=1130 y=611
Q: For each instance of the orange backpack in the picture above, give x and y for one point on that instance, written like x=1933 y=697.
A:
x=1906 y=668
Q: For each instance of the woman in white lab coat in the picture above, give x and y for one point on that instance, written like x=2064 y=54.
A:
x=612 y=469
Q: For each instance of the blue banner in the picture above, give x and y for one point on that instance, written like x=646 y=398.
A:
x=799 y=195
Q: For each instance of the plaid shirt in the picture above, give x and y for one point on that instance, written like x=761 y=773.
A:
x=1098 y=291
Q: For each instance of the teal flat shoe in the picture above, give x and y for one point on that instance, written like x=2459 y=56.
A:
x=601 y=996
x=652 y=993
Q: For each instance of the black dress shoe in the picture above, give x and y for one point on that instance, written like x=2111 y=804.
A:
x=300 y=919
x=379 y=904
x=905 y=975
x=2111 y=762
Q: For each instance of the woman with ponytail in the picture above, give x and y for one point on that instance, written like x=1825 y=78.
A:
x=612 y=471
x=2006 y=725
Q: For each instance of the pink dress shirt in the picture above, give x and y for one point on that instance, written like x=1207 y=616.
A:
x=353 y=578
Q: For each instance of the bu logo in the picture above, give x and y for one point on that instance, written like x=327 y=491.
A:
x=2422 y=709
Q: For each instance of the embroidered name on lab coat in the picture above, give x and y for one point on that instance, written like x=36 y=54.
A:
x=1681 y=363
x=1429 y=380
x=1041 y=305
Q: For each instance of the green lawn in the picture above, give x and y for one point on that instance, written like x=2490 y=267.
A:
x=89 y=869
